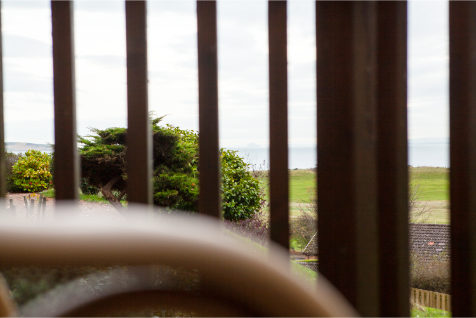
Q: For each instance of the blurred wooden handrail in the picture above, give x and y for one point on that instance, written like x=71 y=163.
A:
x=262 y=285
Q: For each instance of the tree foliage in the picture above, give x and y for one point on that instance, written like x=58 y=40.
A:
x=175 y=164
x=10 y=159
x=31 y=172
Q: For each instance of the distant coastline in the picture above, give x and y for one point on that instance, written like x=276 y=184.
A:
x=24 y=146
x=432 y=152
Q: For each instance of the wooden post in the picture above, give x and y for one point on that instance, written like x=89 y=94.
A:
x=139 y=131
x=278 y=123
x=209 y=202
x=3 y=181
x=66 y=156
x=392 y=158
x=463 y=156
x=347 y=145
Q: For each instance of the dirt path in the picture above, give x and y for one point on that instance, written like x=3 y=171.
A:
x=87 y=209
x=438 y=211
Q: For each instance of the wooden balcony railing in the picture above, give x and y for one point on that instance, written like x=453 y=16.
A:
x=362 y=139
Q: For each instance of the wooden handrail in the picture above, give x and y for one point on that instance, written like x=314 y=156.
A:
x=262 y=285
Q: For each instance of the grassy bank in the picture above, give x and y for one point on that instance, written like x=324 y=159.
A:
x=433 y=182
x=429 y=312
x=432 y=186
x=50 y=193
x=433 y=192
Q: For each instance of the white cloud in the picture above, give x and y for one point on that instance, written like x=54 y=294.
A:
x=173 y=89
x=428 y=69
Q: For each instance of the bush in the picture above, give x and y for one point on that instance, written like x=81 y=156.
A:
x=256 y=228
x=430 y=273
x=175 y=167
x=176 y=190
x=176 y=184
x=241 y=191
x=31 y=172
x=175 y=164
x=86 y=188
x=11 y=158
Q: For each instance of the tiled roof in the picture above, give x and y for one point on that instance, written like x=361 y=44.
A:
x=425 y=240
x=430 y=239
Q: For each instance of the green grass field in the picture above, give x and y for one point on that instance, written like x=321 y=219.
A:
x=302 y=182
x=433 y=182
x=50 y=193
x=432 y=186
x=430 y=312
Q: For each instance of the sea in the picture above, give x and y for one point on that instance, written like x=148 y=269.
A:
x=420 y=154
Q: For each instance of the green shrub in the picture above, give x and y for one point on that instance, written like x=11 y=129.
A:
x=86 y=188
x=176 y=190
x=241 y=191
x=11 y=158
x=31 y=172
x=175 y=177
x=430 y=273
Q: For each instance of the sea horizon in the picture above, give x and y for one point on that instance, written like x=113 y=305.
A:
x=428 y=152
x=420 y=154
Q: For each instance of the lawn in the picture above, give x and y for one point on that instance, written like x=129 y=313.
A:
x=432 y=186
x=433 y=183
x=432 y=190
x=301 y=182
x=50 y=193
x=430 y=312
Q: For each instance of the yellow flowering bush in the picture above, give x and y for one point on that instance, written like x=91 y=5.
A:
x=31 y=173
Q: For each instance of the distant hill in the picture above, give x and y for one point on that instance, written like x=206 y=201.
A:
x=441 y=140
x=24 y=146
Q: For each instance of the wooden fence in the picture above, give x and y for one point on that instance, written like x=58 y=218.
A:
x=431 y=299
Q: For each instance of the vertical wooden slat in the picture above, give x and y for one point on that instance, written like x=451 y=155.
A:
x=463 y=156
x=139 y=131
x=3 y=181
x=347 y=145
x=209 y=157
x=278 y=124
x=392 y=158
x=66 y=158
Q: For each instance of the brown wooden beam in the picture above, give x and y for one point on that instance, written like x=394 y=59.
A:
x=347 y=147
x=139 y=131
x=463 y=156
x=66 y=157
x=3 y=181
x=278 y=124
x=209 y=156
x=392 y=158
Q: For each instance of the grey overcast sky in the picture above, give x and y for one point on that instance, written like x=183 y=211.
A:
x=243 y=84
